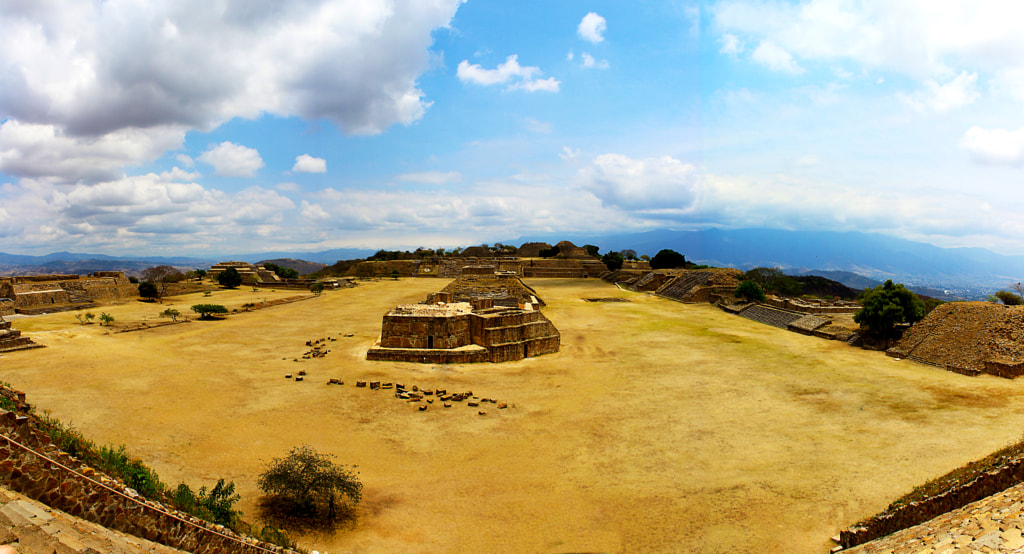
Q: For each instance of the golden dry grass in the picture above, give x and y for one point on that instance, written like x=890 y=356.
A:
x=658 y=427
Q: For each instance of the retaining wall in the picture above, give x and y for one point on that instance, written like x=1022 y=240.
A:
x=31 y=465
x=914 y=513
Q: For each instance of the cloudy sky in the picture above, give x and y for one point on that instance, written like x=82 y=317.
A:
x=217 y=126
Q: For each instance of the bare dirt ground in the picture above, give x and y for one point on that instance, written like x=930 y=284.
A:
x=659 y=426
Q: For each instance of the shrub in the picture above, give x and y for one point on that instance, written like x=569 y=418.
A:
x=1009 y=298
x=85 y=318
x=207 y=310
x=613 y=261
x=106 y=319
x=148 y=290
x=751 y=291
x=549 y=252
x=316 y=288
x=308 y=484
x=171 y=313
x=217 y=505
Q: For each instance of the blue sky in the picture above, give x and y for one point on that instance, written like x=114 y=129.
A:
x=201 y=128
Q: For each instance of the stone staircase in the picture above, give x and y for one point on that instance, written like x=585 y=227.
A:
x=11 y=339
x=770 y=316
x=77 y=294
x=680 y=286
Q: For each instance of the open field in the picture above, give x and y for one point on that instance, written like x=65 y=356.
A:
x=658 y=427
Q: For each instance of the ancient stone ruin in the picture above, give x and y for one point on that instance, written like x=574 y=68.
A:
x=250 y=273
x=478 y=318
x=37 y=294
x=11 y=339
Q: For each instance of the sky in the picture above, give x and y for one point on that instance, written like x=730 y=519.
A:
x=181 y=127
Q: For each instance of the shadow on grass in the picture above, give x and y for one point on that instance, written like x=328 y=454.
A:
x=304 y=519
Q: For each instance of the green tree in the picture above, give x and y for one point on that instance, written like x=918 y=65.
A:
x=592 y=250
x=217 y=505
x=85 y=318
x=613 y=261
x=316 y=288
x=751 y=291
x=307 y=483
x=394 y=274
x=106 y=319
x=629 y=254
x=207 y=310
x=229 y=278
x=668 y=259
x=171 y=313
x=887 y=305
x=200 y=274
x=772 y=279
x=148 y=290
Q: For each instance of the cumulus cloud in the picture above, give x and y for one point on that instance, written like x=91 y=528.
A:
x=995 y=146
x=519 y=77
x=658 y=184
x=958 y=92
x=233 y=160
x=775 y=57
x=308 y=164
x=37 y=150
x=93 y=68
x=591 y=28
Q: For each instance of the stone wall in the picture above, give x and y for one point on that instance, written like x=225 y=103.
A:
x=908 y=515
x=465 y=355
x=40 y=293
x=11 y=339
x=6 y=307
x=443 y=332
x=31 y=465
x=813 y=306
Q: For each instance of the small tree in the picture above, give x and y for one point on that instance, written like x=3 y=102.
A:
x=229 y=278
x=307 y=483
x=217 y=505
x=629 y=254
x=549 y=252
x=613 y=261
x=316 y=288
x=668 y=259
x=751 y=291
x=171 y=313
x=887 y=305
x=85 y=318
x=148 y=290
x=200 y=274
x=106 y=319
x=394 y=274
x=207 y=310
x=592 y=250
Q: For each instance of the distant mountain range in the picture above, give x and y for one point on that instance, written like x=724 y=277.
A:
x=858 y=260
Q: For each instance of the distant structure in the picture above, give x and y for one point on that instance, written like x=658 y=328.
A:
x=11 y=339
x=484 y=316
x=37 y=294
x=250 y=273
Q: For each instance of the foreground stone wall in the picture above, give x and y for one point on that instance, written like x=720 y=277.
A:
x=31 y=465
x=908 y=515
x=404 y=331
x=6 y=307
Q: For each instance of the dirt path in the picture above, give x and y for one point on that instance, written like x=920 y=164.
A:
x=658 y=427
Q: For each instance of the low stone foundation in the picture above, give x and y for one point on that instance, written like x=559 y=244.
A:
x=464 y=355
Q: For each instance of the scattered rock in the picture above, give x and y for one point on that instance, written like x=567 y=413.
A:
x=360 y=383
x=287 y=375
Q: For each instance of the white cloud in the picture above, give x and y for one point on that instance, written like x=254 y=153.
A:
x=591 y=28
x=185 y=160
x=34 y=150
x=233 y=160
x=94 y=68
x=570 y=56
x=731 y=44
x=995 y=146
x=288 y=186
x=589 y=62
x=958 y=92
x=519 y=77
x=569 y=154
x=308 y=164
x=776 y=58
x=651 y=184
x=431 y=177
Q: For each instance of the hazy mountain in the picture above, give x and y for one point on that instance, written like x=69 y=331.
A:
x=302 y=266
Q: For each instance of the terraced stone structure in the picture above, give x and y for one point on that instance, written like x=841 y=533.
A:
x=969 y=338
x=250 y=273
x=491 y=324
x=35 y=294
x=11 y=339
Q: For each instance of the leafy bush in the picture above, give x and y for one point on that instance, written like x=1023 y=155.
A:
x=1009 y=298
x=106 y=319
x=132 y=471
x=206 y=310
x=308 y=484
x=751 y=291
x=85 y=318
x=549 y=252
x=171 y=313
x=148 y=290
x=217 y=505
